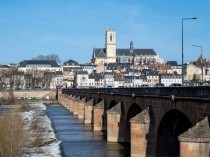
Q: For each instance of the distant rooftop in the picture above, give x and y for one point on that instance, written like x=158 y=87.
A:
x=70 y=62
x=4 y=66
x=52 y=63
x=101 y=52
x=172 y=63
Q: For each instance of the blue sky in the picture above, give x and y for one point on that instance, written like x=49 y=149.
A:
x=71 y=28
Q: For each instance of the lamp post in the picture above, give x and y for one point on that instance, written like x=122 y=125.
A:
x=133 y=70
x=133 y=57
x=193 y=18
x=201 y=61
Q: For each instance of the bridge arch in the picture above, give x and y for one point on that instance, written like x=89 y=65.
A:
x=173 y=123
x=98 y=100
x=132 y=112
x=112 y=104
x=88 y=98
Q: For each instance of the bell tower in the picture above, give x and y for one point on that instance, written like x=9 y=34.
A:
x=110 y=46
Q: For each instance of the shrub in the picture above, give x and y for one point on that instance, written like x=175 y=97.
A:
x=13 y=138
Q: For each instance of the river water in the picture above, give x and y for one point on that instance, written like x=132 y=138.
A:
x=78 y=139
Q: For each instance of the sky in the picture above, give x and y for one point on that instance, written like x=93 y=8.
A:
x=72 y=28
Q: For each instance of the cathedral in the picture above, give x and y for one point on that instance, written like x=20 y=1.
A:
x=111 y=54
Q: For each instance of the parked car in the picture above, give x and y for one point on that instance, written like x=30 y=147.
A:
x=158 y=85
x=175 y=85
x=144 y=85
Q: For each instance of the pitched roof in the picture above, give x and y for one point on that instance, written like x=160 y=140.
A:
x=4 y=66
x=123 y=52
x=112 y=66
x=101 y=52
x=48 y=62
x=170 y=75
x=128 y=77
x=70 y=62
x=172 y=63
x=153 y=73
x=139 y=52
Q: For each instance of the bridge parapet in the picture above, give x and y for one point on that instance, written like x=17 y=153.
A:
x=198 y=91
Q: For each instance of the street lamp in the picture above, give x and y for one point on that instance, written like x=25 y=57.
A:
x=133 y=69
x=193 y=18
x=201 y=60
x=133 y=57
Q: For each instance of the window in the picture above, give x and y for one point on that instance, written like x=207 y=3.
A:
x=111 y=37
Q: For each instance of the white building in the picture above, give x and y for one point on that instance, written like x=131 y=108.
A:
x=58 y=79
x=175 y=67
x=194 y=71
x=108 y=80
x=28 y=66
x=82 y=79
x=152 y=78
x=68 y=79
x=168 y=79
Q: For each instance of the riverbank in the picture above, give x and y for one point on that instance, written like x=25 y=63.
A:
x=26 y=101
x=42 y=141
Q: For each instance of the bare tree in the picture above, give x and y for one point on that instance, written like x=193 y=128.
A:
x=41 y=57
x=47 y=79
x=54 y=57
x=36 y=77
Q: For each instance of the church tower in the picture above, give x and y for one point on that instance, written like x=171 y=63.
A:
x=110 y=46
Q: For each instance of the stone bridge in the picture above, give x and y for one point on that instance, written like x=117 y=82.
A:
x=164 y=121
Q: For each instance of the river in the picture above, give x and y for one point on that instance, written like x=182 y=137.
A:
x=78 y=139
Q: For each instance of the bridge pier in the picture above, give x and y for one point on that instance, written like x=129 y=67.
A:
x=60 y=98
x=115 y=123
x=98 y=113
x=63 y=99
x=89 y=111
x=139 y=134
x=76 y=105
x=81 y=112
x=69 y=102
x=196 y=141
x=71 y=105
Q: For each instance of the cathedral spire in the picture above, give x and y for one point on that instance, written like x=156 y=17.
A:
x=131 y=47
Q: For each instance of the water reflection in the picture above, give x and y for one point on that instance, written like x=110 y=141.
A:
x=79 y=140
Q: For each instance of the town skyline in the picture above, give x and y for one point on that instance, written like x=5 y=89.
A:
x=73 y=29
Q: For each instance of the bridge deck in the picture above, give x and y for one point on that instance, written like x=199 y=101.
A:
x=188 y=92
